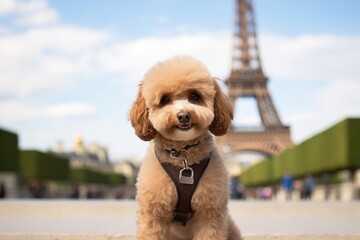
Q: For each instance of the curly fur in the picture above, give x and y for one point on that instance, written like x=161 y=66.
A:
x=182 y=85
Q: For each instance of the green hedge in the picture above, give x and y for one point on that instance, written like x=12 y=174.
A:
x=9 y=153
x=353 y=145
x=86 y=175
x=43 y=166
x=285 y=162
x=259 y=175
x=336 y=148
x=116 y=179
x=33 y=164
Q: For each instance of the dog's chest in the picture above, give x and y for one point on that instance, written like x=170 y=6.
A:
x=156 y=190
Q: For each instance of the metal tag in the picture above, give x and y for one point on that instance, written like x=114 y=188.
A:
x=186 y=179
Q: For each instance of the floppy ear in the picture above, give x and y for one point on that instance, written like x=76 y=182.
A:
x=224 y=113
x=140 y=120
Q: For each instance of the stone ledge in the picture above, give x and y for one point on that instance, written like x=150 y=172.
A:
x=26 y=236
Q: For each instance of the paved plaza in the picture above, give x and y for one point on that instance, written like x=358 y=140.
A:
x=25 y=219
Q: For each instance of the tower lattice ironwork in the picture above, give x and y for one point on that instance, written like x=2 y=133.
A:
x=248 y=80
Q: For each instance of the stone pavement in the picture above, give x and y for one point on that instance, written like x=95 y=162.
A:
x=107 y=220
x=121 y=237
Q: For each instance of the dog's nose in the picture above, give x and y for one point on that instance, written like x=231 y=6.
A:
x=184 y=117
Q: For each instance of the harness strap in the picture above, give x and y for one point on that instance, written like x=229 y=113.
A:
x=183 y=211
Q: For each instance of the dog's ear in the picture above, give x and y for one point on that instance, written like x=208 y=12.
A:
x=140 y=120
x=224 y=113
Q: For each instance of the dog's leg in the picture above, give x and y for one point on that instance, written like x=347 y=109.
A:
x=234 y=233
x=211 y=225
x=151 y=229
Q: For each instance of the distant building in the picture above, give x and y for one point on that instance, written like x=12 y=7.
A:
x=128 y=168
x=91 y=155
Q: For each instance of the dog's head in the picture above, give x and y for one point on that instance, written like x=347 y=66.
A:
x=179 y=99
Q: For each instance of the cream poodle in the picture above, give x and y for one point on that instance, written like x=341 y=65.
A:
x=183 y=185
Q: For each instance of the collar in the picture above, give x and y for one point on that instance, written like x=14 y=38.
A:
x=176 y=152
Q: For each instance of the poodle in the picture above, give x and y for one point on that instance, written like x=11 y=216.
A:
x=180 y=106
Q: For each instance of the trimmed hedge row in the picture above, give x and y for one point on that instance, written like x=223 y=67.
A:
x=115 y=179
x=9 y=158
x=43 y=166
x=86 y=175
x=334 y=149
x=46 y=166
x=33 y=164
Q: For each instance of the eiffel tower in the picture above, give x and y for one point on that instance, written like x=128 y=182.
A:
x=248 y=80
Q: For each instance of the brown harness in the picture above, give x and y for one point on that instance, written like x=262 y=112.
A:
x=186 y=180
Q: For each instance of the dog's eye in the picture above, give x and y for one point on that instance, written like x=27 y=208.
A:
x=194 y=96
x=165 y=100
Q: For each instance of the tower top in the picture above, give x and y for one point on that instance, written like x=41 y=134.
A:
x=246 y=58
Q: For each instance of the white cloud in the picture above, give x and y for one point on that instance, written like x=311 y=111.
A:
x=302 y=58
x=43 y=60
x=18 y=111
x=301 y=117
x=341 y=98
x=7 y=7
x=47 y=58
x=69 y=110
x=134 y=58
x=304 y=124
x=42 y=17
x=333 y=103
x=31 y=60
x=29 y=13
x=4 y=30
x=311 y=57
x=12 y=111
x=25 y=7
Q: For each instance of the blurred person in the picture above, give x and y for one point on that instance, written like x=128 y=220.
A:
x=237 y=189
x=120 y=193
x=37 y=189
x=287 y=183
x=241 y=191
x=75 y=193
x=308 y=186
x=33 y=187
x=233 y=187
x=2 y=190
x=267 y=193
x=326 y=181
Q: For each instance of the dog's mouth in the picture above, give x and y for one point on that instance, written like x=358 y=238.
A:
x=184 y=127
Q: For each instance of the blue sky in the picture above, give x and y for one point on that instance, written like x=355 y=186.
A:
x=72 y=67
x=161 y=16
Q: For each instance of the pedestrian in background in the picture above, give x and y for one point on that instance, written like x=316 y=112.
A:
x=308 y=186
x=287 y=183
x=2 y=190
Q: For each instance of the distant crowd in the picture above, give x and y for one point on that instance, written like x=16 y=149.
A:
x=287 y=184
